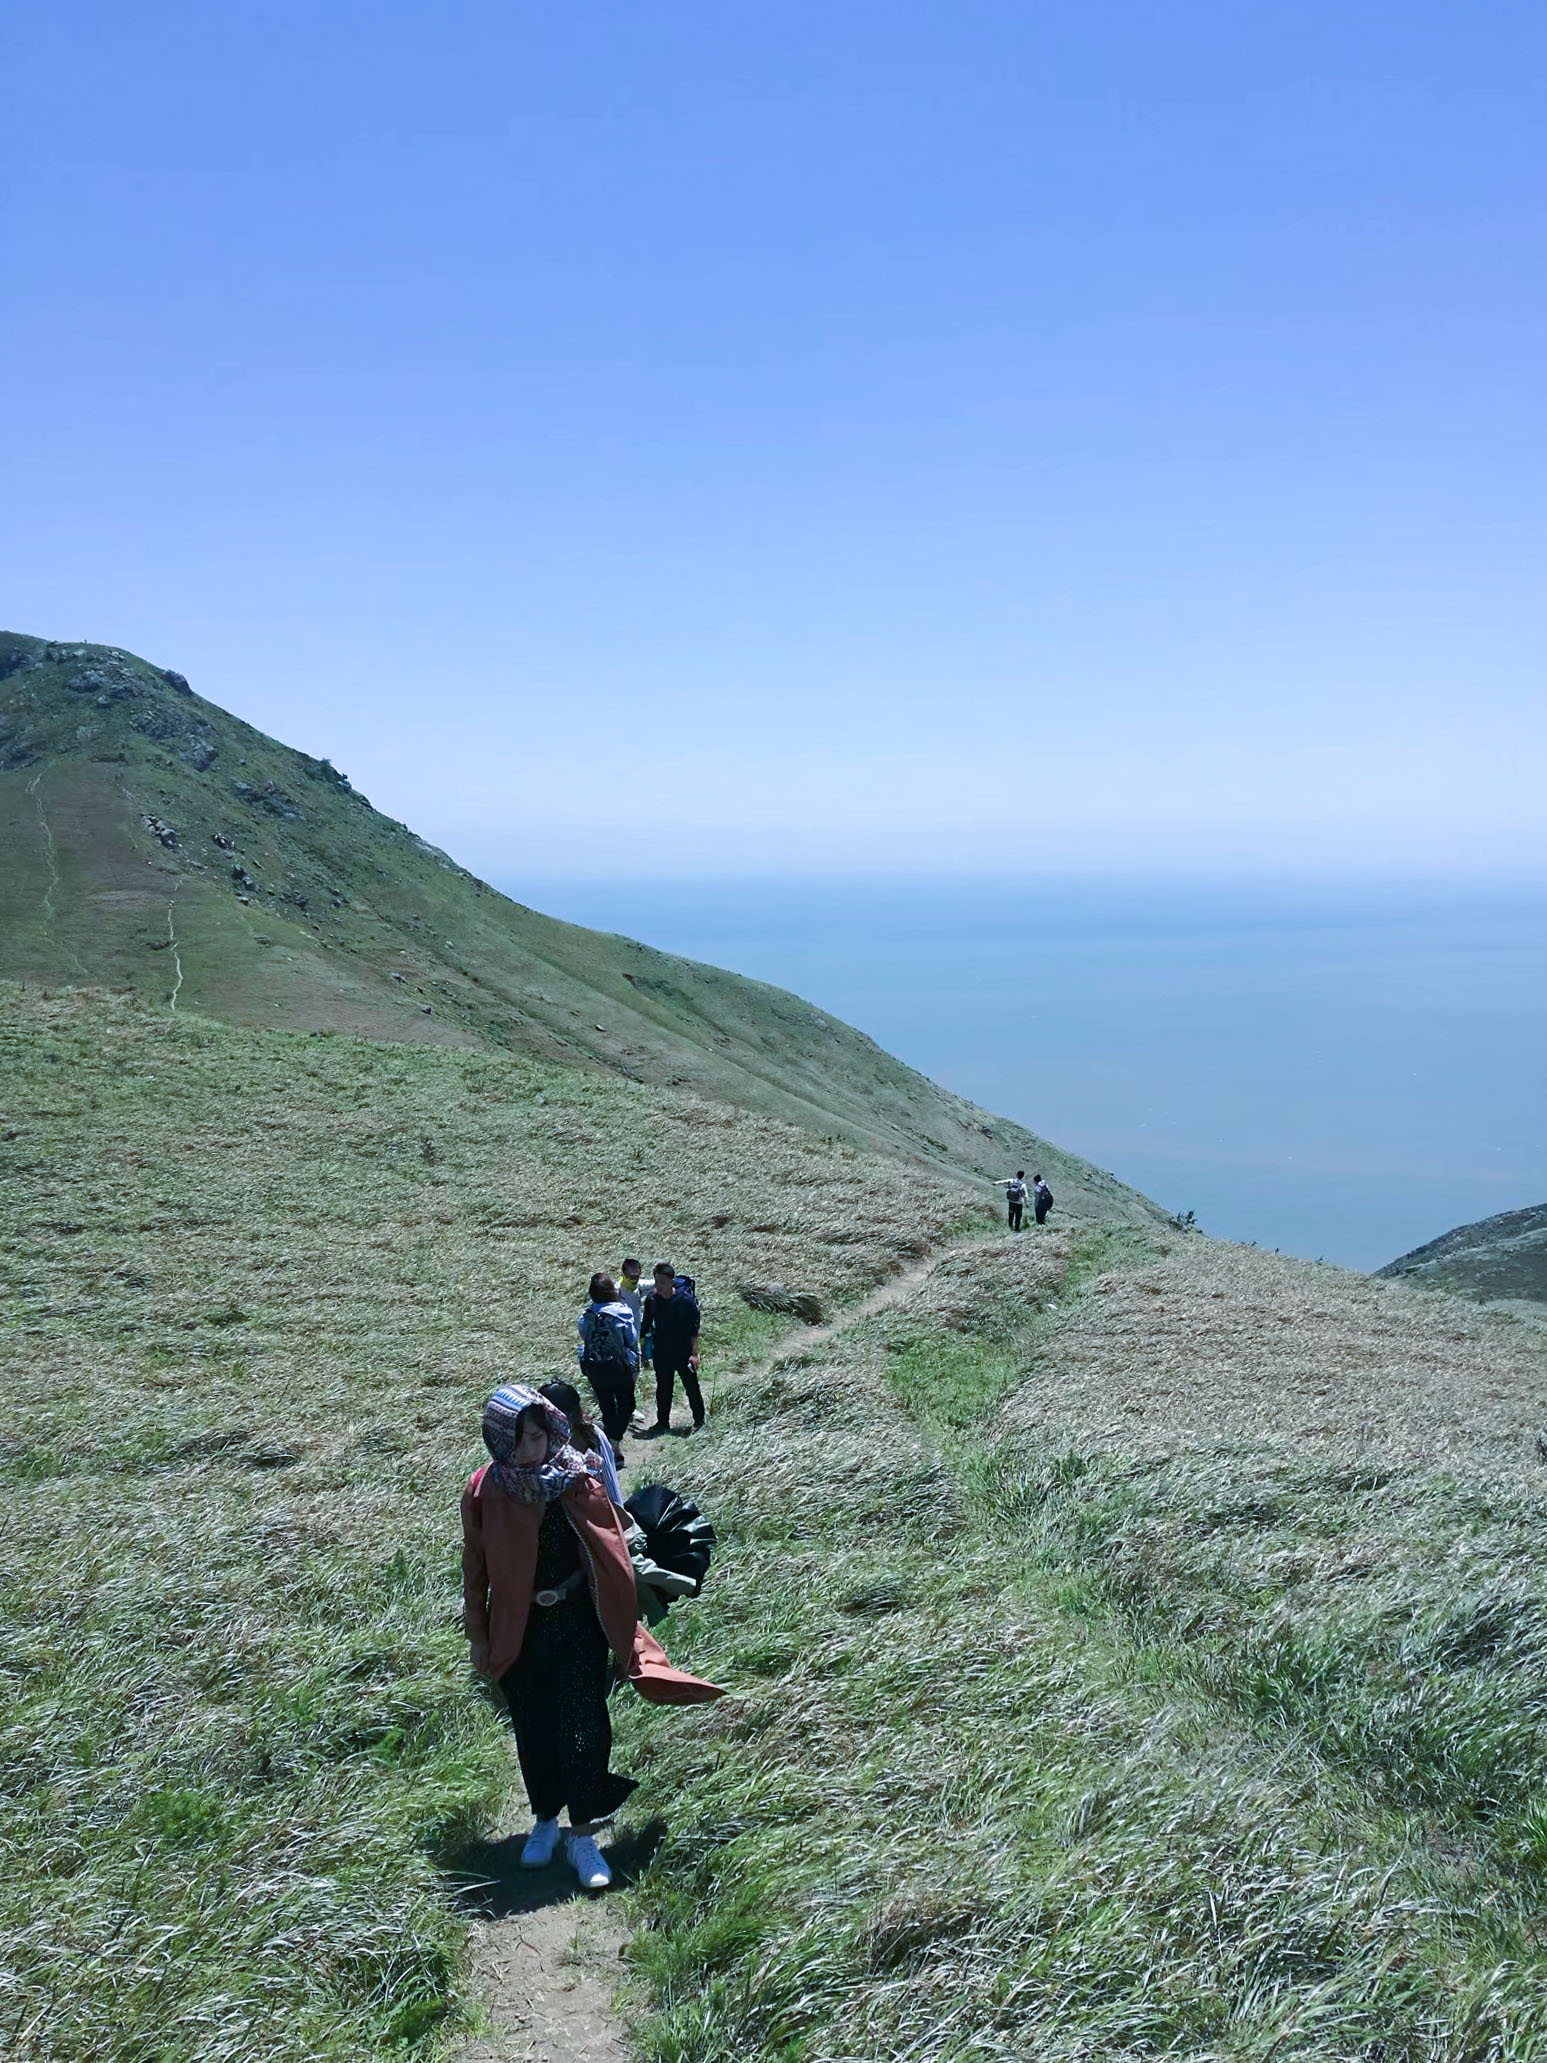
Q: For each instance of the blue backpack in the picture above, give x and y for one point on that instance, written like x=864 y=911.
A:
x=608 y=1340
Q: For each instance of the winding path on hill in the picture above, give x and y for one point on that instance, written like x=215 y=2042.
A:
x=546 y=1958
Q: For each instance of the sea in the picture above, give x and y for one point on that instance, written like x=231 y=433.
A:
x=1339 y=1071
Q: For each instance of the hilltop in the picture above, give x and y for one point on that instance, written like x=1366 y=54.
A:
x=1496 y=1259
x=154 y=843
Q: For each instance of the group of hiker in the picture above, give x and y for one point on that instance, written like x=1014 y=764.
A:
x=1015 y=1198
x=554 y=1565
x=624 y=1328
x=558 y=1572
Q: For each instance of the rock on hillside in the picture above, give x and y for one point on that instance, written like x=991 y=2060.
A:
x=152 y=842
x=1497 y=1258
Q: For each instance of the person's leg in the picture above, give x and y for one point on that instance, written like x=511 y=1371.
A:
x=618 y=1410
x=693 y=1393
x=579 y=1670
x=527 y=1699
x=597 y=1384
x=665 y=1383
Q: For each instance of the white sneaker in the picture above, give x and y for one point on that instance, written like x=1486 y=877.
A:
x=540 y=1845
x=589 y=1864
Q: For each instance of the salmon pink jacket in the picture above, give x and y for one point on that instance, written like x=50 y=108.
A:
x=499 y=1555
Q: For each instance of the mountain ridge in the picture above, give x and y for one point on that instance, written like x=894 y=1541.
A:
x=1502 y=1258
x=155 y=842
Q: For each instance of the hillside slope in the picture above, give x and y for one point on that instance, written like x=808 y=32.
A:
x=1495 y=1259
x=1137 y=1644
x=150 y=841
x=254 y=1288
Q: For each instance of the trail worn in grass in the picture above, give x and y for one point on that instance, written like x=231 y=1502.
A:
x=1074 y=1747
x=254 y=1289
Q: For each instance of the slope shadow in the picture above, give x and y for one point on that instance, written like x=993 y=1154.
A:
x=487 y=1881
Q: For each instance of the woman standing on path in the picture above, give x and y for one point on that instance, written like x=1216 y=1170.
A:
x=550 y=1607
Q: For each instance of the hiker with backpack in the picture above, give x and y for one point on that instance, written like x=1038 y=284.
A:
x=670 y=1332
x=551 y=1611
x=608 y=1353
x=1015 y=1198
x=1041 y=1198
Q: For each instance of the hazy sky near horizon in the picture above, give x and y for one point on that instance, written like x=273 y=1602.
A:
x=873 y=438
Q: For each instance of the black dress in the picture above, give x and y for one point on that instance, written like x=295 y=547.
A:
x=557 y=1690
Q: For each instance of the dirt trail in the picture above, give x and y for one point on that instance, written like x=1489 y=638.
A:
x=176 y=945
x=51 y=860
x=547 y=1958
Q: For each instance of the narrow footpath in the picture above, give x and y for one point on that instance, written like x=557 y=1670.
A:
x=547 y=1957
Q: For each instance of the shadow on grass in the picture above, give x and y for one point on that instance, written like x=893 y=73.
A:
x=487 y=1881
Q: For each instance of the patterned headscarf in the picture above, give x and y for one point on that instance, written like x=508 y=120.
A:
x=560 y=1469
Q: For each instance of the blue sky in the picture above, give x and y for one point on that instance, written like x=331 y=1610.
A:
x=865 y=438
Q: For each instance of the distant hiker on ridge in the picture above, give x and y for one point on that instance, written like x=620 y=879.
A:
x=1041 y=1198
x=1015 y=1198
x=671 y=1331
x=551 y=1610
x=608 y=1354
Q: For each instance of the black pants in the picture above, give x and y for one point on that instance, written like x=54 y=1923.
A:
x=1016 y=1208
x=557 y=1694
x=615 y=1400
x=666 y=1373
x=1042 y=1211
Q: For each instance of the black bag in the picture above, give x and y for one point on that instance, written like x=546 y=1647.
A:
x=677 y=1535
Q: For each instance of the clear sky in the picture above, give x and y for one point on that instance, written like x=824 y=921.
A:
x=973 y=435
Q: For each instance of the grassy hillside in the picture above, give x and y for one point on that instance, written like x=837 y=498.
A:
x=1142 y=1645
x=151 y=842
x=1137 y=1643
x=253 y=1290
x=1496 y=1259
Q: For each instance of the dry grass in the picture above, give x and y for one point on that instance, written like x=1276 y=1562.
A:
x=1139 y=1644
x=1070 y=1744
x=1225 y=1344
x=254 y=1289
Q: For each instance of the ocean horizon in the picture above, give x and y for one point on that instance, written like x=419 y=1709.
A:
x=1339 y=1071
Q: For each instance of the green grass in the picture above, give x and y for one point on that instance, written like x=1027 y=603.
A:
x=150 y=841
x=253 y=1291
x=1072 y=1718
x=1057 y=1753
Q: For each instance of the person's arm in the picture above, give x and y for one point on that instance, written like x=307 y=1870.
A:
x=475 y=1581
x=609 y=1471
x=693 y=1342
